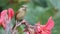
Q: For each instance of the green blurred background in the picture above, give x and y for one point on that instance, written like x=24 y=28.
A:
x=38 y=10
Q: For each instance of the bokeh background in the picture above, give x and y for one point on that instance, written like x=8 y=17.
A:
x=38 y=10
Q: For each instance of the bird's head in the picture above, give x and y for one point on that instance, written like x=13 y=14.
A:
x=23 y=8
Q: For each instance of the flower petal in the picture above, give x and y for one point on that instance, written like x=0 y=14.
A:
x=3 y=13
x=50 y=23
x=10 y=13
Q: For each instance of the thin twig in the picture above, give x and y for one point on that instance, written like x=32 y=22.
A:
x=15 y=26
x=27 y=26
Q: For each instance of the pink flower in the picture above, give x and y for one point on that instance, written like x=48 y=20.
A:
x=3 y=15
x=10 y=13
x=27 y=33
x=6 y=15
x=44 y=29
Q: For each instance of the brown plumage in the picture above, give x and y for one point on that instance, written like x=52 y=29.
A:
x=21 y=13
x=19 y=16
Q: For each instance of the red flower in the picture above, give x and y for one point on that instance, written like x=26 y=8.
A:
x=5 y=16
x=27 y=33
x=10 y=13
x=45 y=29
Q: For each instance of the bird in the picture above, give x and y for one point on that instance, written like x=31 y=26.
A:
x=21 y=13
